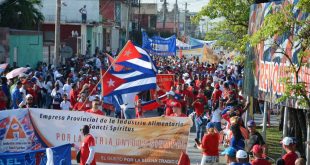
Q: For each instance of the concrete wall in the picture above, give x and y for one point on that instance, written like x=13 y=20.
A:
x=70 y=13
x=26 y=48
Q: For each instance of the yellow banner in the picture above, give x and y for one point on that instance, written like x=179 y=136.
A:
x=158 y=140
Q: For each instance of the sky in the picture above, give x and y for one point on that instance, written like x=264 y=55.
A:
x=193 y=5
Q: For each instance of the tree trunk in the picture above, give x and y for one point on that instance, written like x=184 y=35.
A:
x=282 y=118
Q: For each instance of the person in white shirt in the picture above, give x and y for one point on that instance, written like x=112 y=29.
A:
x=65 y=104
x=67 y=87
x=216 y=115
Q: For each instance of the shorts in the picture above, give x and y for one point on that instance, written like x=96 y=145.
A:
x=209 y=159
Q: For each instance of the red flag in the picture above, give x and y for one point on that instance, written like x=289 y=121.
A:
x=184 y=159
x=128 y=52
x=116 y=67
x=165 y=81
x=109 y=83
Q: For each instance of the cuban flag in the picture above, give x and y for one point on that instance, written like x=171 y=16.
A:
x=116 y=67
x=151 y=105
x=117 y=83
x=3 y=67
x=134 y=57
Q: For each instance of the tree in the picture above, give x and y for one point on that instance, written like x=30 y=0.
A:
x=20 y=14
x=231 y=31
x=284 y=22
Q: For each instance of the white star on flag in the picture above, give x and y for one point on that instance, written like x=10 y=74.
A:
x=128 y=53
x=111 y=82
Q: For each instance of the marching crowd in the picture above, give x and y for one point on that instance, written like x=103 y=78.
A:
x=208 y=93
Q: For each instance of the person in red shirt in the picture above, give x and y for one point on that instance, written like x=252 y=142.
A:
x=198 y=106
x=83 y=103
x=73 y=95
x=3 y=99
x=177 y=109
x=168 y=101
x=258 y=156
x=216 y=95
x=95 y=108
x=209 y=145
x=289 y=146
x=87 y=148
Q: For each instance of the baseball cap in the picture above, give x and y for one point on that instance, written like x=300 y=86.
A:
x=230 y=151
x=210 y=125
x=251 y=123
x=170 y=93
x=257 y=148
x=241 y=154
x=287 y=141
x=217 y=86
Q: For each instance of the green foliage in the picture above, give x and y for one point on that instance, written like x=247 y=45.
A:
x=231 y=32
x=240 y=59
x=20 y=14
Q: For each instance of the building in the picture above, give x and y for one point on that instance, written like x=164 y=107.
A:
x=21 y=47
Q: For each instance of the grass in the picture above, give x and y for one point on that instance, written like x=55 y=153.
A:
x=274 y=136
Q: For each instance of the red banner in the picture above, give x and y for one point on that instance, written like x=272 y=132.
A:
x=165 y=81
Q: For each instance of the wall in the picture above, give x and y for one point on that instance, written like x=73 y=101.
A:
x=70 y=13
x=28 y=46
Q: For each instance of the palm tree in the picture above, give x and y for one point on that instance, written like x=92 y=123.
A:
x=20 y=14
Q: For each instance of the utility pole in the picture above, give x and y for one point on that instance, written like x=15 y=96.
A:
x=57 y=34
x=164 y=14
x=175 y=15
x=139 y=17
x=185 y=14
x=128 y=19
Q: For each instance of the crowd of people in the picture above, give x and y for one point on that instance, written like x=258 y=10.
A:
x=208 y=93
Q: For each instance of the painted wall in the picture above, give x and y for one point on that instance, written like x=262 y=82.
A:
x=25 y=49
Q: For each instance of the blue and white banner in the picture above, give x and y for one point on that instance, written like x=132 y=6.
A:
x=159 y=46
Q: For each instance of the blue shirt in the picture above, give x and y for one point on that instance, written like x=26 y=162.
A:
x=16 y=97
x=237 y=145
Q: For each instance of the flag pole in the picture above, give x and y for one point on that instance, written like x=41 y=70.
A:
x=104 y=75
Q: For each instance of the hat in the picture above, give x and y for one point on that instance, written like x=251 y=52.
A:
x=95 y=78
x=22 y=75
x=170 y=93
x=287 y=141
x=28 y=96
x=176 y=104
x=217 y=86
x=210 y=125
x=230 y=151
x=251 y=123
x=257 y=148
x=185 y=75
x=241 y=154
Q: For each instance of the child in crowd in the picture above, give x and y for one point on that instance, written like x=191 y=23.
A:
x=65 y=104
x=258 y=156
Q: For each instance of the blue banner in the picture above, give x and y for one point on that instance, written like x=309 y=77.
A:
x=159 y=46
x=61 y=156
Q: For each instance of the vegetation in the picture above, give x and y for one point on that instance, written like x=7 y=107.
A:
x=20 y=14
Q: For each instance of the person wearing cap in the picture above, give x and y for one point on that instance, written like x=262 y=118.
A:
x=167 y=102
x=216 y=95
x=95 y=108
x=28 y=103
x=254 y=137
x=242 y=158
x=289 y=145
x=209 y=145
x=230 y=155
x=177 y=109
x=17 y=96
x=198 y=106
x=258 y=152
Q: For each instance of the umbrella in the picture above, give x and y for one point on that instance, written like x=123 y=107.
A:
x=3 y=67
x=16 y=72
